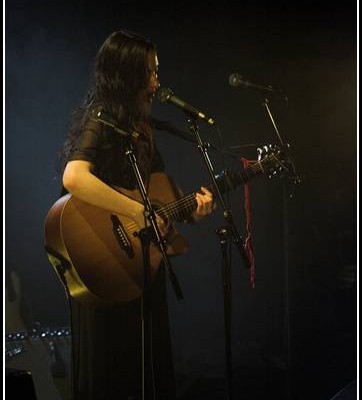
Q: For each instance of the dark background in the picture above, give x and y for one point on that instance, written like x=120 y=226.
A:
x=294 y=335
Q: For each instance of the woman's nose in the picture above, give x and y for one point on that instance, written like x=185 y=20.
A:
x=156 y=83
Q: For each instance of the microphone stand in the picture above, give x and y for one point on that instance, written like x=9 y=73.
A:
x=146 y=235
x=296 y=180
x=224 y=233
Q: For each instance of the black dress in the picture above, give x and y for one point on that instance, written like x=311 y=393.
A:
x=107 y=341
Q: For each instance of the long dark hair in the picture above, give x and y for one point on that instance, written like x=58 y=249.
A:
x=121 y=74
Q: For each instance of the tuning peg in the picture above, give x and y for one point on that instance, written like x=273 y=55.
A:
x=259 y=152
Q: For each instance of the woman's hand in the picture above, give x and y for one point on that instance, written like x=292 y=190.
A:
x=205 y=204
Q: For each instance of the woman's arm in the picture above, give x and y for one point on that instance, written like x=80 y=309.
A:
x=79 y=180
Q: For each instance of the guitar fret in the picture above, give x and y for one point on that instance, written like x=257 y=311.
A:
x=179 y=209
x=168 y=211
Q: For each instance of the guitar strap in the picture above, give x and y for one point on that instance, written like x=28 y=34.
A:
x=248 y=242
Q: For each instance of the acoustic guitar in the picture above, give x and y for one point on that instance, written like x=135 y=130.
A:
x=98 y=256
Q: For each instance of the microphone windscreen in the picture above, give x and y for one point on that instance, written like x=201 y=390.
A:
x=234 y=80
x=164 y=94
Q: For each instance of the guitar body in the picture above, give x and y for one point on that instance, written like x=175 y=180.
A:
x=87 y=254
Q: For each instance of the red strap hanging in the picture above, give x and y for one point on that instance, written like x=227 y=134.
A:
x=248 y=243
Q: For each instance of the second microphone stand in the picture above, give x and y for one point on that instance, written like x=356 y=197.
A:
x=295 y=179
x=225 y=233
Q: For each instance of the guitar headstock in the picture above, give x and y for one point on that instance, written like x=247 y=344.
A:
x=273 y=161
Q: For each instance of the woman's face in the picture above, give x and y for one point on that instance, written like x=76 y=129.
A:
x=154 y=83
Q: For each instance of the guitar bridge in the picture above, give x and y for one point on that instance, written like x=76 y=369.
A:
x=121 y=236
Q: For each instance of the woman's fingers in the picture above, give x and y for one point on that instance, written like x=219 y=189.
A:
x=205 y=203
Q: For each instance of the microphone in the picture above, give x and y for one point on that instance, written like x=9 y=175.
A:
x=166 y=94
x=236 y=80
x=99 y=115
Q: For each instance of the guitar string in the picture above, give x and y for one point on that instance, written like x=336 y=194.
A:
x=178 y=206
x=171 y=213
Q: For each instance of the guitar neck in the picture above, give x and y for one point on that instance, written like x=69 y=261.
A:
x=180 y=209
